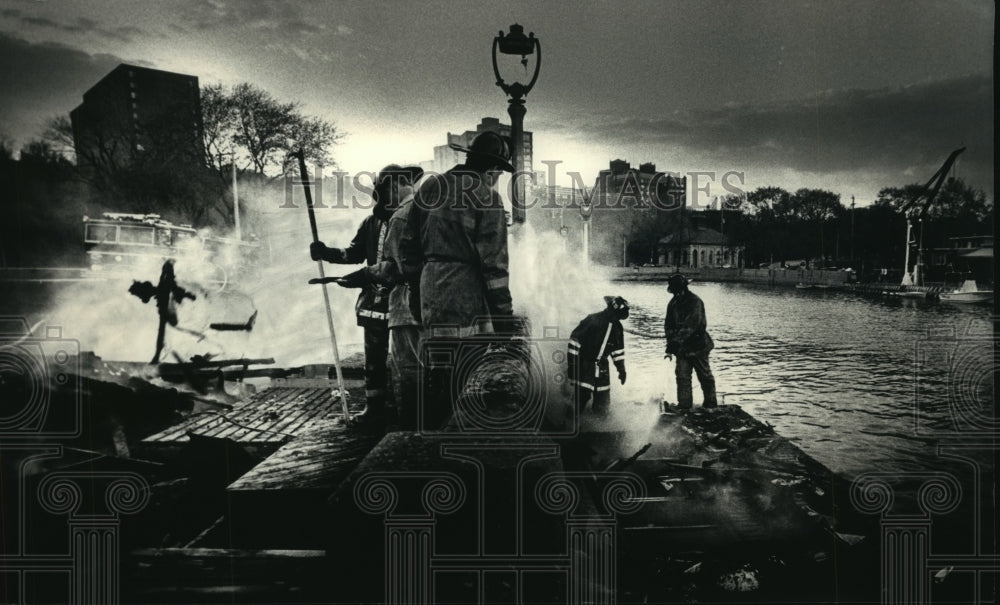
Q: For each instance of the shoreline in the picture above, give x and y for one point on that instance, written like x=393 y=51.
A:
x=812 y=278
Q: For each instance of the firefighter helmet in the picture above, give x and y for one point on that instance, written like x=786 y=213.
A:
x=617 y=304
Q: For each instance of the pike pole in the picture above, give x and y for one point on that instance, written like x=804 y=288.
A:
x=304 y=175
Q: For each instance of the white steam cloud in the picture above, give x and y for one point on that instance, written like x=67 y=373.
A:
x=291 y=323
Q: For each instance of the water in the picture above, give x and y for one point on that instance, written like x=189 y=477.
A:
x=833 y=371
x=859 y=384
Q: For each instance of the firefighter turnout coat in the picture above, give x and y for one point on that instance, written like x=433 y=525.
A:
x=685 y=325
x=455 y=249
x=388 y=272
x=598 y=337
x=367 y=247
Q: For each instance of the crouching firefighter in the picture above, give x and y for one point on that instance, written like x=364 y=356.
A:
x=598 y=337
x=373 y=302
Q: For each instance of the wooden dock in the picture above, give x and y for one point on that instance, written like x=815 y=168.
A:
x=270 y=417
x=293 y=431
x=290 y=487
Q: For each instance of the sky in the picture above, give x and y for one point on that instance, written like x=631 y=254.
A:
x=849 y=96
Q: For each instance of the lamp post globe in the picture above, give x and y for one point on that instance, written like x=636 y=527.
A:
x=516 y=43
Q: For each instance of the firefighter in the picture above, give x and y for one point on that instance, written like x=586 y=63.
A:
x=404 y=329
x=373 y=302
x=689 y=342
x=596 y=338
x=454 y=251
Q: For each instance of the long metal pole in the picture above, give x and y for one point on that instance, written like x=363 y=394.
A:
x=918 y=268
x=907 y=279
x=326 y=295
x=852 y=231
x=236 y=203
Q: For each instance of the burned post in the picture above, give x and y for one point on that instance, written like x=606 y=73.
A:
x=168 y=295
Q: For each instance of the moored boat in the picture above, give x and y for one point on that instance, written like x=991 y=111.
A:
x=969 y=292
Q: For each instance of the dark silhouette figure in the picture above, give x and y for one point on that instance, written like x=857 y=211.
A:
x=167 y=294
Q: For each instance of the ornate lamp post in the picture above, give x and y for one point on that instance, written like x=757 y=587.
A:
x=516 y=43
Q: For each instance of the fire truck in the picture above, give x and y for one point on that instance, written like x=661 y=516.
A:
x=118 y=243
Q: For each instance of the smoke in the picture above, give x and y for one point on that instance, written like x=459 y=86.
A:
x=292 y=325
x=552 y=285
x=230 y=285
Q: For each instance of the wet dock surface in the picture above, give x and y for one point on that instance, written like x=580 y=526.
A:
x=270 y=417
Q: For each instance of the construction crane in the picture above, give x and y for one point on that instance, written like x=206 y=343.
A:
x=928 y=193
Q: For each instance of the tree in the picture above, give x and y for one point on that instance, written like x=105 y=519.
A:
x=170 y=180
x=59 y=134
x=161 y=166
x=816 y=206
x=958 y=210
x=267 y=130
x=763 y=200
x=956 y=199
x=764 y=231
x=42 y=152
x=218 y=125
x=6 y=148
x=100 y=154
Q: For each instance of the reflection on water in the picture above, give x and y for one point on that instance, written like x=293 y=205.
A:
x=839 y=374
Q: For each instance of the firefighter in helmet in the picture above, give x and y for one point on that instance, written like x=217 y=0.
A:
x=688 y=340
x=372 y=308
x=596 y=338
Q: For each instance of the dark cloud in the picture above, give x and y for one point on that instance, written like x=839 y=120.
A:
x=82 y=25
x=42 y=81
x=889 y=131
x=281 y=18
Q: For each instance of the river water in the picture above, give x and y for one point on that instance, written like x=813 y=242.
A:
x=860 y=384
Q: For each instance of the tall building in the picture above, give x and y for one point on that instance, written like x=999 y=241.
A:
x=632 y=209
x=137 y=112
x=445 y=157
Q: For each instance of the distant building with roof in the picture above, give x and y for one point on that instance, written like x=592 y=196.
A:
x=699 y=246
x=967 y=256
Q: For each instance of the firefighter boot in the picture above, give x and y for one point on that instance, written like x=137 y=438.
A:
x=708 y=389
x=685 y=400
x=602 y=399
x=682 y=373
x=373 y=418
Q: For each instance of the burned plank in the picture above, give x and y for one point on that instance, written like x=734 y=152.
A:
x=270 y=416
x=289 y=488
x=319 y=461
x=217 y=363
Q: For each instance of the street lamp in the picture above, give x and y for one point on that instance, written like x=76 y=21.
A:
x=516 y=43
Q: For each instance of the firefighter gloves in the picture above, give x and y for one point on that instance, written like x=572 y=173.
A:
x=355 y=279
x=317 y=250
